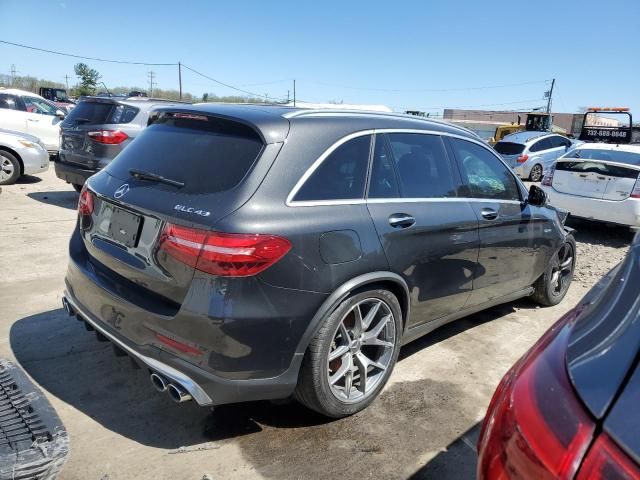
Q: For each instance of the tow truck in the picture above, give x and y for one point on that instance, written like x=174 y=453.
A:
x=601 y=124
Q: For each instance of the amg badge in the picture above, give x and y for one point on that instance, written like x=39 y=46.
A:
x=184 y=208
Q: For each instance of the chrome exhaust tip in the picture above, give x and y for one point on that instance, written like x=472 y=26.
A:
x=67 y=306
x=178 y=394
x=159 y=383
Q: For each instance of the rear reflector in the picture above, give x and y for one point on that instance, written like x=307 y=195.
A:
x=181 y=347
x=223 y=254
x=535 y=426
x=85 y=202
x=605 y=461
x=108 y=137
x=522 y=158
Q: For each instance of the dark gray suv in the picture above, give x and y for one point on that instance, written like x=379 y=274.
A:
x=258 y=252
x=97 y=130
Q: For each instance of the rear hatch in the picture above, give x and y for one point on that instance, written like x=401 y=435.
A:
x=95 y=131
x=191 y=171
x=510 y=152
x=595 y=178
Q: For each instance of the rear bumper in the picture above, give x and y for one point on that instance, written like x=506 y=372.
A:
x=205 y=388
x=622 y=212
x=72 y=174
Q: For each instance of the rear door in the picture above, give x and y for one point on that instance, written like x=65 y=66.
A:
x=430 y=236
x=42 y=121
x=13 y=116
x=515 y=240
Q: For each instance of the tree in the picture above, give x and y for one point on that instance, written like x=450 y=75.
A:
x=88 y=79
x=205 y=97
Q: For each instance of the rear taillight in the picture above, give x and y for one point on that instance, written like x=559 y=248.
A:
x=522 y=158
x=547 y=180
x=605 y=461
x=635 y=193
x=223 y=254
x=535 y=426
x=108 y=137
x=85 y=202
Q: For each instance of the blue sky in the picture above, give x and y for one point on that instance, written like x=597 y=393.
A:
x=402 y=54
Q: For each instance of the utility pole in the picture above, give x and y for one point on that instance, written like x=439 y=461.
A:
x=294 y=92
x=549 y=94
x=13 y=75
x=288 y=97
x=66 y=81
x=180 y=78
x=151 y=83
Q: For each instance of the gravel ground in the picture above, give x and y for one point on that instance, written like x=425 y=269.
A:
x=423 y=426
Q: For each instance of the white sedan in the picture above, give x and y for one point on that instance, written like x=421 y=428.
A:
x=20 y=154
x=597 y=181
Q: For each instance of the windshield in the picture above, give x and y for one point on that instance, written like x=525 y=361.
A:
x=618 y=156
x=508 y=148
x=39 y=105
x=60 y=95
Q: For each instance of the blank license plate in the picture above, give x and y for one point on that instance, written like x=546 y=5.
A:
x=123 y=227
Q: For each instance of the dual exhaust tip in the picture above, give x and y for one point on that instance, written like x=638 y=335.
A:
x=176 y=392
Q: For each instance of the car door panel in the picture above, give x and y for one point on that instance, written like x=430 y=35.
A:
x=511 y=234
x=12 y=115
x=432 y=242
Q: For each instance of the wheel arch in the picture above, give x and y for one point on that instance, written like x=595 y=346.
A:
x=388 y=280
x=15 y=154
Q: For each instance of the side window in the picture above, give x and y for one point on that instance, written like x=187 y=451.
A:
x=37 y=105
x=8 y=102
x=483 y=174
x=384 y=183
x=557 y=141
x=540 y=145
x=341 y=176
x=424 y=170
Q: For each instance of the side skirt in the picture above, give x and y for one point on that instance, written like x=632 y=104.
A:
x=418 y=331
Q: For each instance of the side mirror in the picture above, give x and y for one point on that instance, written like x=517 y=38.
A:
x=537 y=196
x=60 y=114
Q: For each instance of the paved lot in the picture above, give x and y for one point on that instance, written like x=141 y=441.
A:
x=423 y=426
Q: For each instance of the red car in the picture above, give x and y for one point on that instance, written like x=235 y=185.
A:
x=570 y=407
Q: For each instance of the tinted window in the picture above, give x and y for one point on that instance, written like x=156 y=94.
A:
x=558 y=141
x=93 y=113
x=207 y=155
x=599 y=168
x=342 y=175
x=617 y=156
x=540 y=145
x=509 y=148
x=383 y=182
x=485 y=176
x=9 y=101
x=424 y=169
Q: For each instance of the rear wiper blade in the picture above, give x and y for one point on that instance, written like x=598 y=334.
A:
x=142 y=175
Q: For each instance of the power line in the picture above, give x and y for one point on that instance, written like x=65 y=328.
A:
x=434 y=90
x=253 y=94
x=86 y=58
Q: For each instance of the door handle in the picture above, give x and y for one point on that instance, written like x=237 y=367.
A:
x=489 y=213
x=32 y=120
x=401 y=220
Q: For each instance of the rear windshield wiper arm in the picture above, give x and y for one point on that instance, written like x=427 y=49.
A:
x=142 y=175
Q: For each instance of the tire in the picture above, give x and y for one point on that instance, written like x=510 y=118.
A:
x=314 y=390
x=77 y=187
x=536 y=173
x=10 y=169
x=549 y=289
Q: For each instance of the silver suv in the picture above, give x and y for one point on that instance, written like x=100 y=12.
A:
x=530 y=154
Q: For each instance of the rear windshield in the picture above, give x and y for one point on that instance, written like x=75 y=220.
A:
x=508 y=148
x=617 y=156
x=208 y=155
x=94 y=113
x=597 y=167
